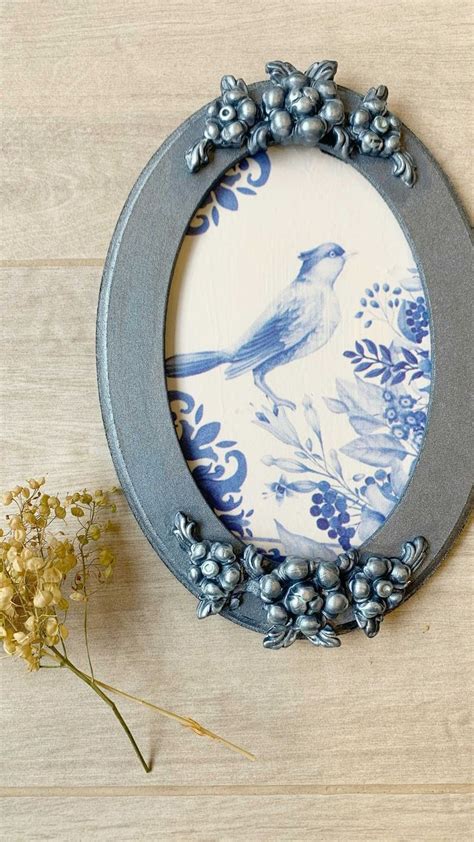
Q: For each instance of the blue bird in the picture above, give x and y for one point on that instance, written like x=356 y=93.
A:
x=297 y=323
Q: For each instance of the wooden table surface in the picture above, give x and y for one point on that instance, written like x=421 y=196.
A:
x=369 y=741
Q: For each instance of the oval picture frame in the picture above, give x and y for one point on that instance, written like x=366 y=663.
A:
x=152 y=470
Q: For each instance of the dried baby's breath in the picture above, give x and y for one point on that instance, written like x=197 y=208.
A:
x=54 y=554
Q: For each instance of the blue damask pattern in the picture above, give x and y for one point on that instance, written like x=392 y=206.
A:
x=242 y=180
x=218 y=466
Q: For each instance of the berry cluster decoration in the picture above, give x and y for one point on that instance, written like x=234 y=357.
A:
x=301 y=108
x=301 y=597
x=379 y=585
x=214 y=568
x=378 y=133
x=229 y=120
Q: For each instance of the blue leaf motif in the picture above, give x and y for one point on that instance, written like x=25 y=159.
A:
x=409 y=356
x=335 y=463
x=199 y=414
x=302 y=486
x=360 y=398
x=207 y=433
x=371 y=347
x=365 y=424
x=378 y=449
x=226 y=198
x=385 y=353
x=215 y=216
x=290 y=465
x=299 y=545
x=370 y=521
x=335 y=406
x=398 y=378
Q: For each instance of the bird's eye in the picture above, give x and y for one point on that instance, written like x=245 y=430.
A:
x=332 y=253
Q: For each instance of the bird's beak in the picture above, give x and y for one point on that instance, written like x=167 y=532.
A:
x=350 y=254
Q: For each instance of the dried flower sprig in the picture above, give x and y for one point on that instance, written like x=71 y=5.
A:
x=40 y=564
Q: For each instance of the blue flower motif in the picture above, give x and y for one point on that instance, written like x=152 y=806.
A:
x=387 y=395
x=406 y=401
x=391 y=414
x=418 y=436
x=279 y=489
x=400 y=431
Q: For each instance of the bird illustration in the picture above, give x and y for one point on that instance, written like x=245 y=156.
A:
x=297 y=323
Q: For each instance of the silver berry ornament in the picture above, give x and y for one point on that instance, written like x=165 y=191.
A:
x=273 y=98
x=374 y=568
x=304 y=105
x=234 y=133
x=297 y=80
x=277 y=614
x=380 y=124
x=371 y=143
x=311 y=129
x=326 y=89
x=383 y=588
x=400 y=573
x=270 y=587
x=371 y=608
x=309 y=624
x=333 y=111
x=327 y=574
x=210 y=568
x=335 y=604
x=227 y=114
x=296 y=568
x=247 y=111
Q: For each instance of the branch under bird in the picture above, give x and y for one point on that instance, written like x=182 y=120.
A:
x=300 y=321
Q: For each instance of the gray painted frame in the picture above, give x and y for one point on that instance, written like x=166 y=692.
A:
x=131 y=325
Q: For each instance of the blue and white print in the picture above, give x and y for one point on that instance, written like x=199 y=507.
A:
x=242 y=180
x=299 y=355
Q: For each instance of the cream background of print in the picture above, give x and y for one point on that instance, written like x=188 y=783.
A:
x=226 y=276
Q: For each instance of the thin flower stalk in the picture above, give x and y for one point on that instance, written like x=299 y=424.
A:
x=44 y=571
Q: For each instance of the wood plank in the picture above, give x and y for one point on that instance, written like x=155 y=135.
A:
x=372 y=740
x=374 y=711
x=92 y=91
x=288 y=818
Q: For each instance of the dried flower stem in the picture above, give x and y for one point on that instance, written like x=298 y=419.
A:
x=65 y=662
x=186 y=721
x=37 y=565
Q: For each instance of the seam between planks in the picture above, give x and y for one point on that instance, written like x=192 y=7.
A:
x=52 y=263
x=248 y=791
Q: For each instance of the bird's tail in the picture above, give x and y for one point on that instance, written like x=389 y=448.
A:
x=185 y=365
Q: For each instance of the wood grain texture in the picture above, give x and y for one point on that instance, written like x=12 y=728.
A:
x=373 y=739
x=300 y=818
